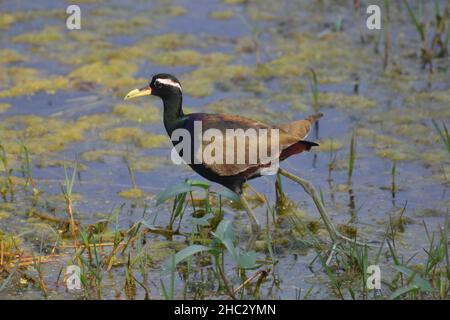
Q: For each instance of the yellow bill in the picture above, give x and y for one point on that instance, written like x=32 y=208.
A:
x=138 y=93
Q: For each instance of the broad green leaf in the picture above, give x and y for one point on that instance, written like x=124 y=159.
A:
x=247 y=260
x=197 y=183
x=224 y=232
x=183 y=254
x=203 y=221
x=182 y=187
x=419 y=282
x=173 y=191
x=227 y=193
x=401 y=291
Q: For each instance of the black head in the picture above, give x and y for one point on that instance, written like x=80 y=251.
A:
x=165 y=85
x=162 y=85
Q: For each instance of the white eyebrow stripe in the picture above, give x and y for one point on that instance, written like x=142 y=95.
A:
x=170 y=83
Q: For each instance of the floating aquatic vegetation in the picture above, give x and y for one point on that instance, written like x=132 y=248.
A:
x=133 y=193
x=200 y=83
x=416 y=132
x=40 y=134
x=256 y=14
x=429 y=98
x=119 y=26
x=348 y=230
x=172 y=11
x=397 y=154
x=11 y=56
x=235 y=1
x=255 y=108
x=146 y=163
x=4 y=215
x=329 y=145
x=283 y=66
x=7 y=19
x=399 y=116
x=4 y=107
x=96 y=121
x=114 y=74
x=100 y=154
x=45 y=36
x=340 y=100
x=169 y=41
x=134 y=113
x=222 y=15
x=46 y=162
x=189 y=58
x=434 y=157
x=27 y=81
x=135 y=136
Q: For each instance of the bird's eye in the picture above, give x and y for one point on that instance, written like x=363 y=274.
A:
x=158 y=84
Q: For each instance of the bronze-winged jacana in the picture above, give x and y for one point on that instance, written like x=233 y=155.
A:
x=233 y=176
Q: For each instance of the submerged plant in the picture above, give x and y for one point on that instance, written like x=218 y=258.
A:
x=443 y=134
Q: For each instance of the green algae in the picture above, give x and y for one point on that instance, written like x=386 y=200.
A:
x=100 y=154
x=96 y=121
x=7 y=19
x=27 y=81
x=11 y=56
x=425 y=99
x=45 y=162
x=399 y=154
x=41 y=134
x=235 y=1
x=146 y=163
x=222 y=15
x=398 y=116
x=256 y=14
x=4 y=215
x=45 y=36
x=200 y=83
x=4 y=107
x=329 y=145
x=295 y=103
x=172 y=11
x=250 y=107
x=60 y=199
x=188 y=57
x=133 y=193
x=434 y=157
x=302 y=51
x=348 y=230
x=115 y=74
x=417 y=132
x=132 y=113
x=134 y=136
x=169 y=41
x=442 y=174
x=340 y=100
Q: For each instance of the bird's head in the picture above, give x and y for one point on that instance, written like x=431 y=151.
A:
x=162 y=85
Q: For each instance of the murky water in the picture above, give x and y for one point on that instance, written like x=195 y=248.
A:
x=61 y=96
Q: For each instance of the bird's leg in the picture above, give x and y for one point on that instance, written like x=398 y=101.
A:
x=309 y=188
x=256 y=229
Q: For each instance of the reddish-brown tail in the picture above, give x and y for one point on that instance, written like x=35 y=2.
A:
x=300 y=128
x=297 y=148
x=313 y=118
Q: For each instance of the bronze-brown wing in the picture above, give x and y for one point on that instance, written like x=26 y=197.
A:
x=230 y=144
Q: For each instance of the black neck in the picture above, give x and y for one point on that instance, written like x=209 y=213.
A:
x=173 y=112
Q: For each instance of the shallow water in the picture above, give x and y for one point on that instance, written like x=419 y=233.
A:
x=74 y=82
